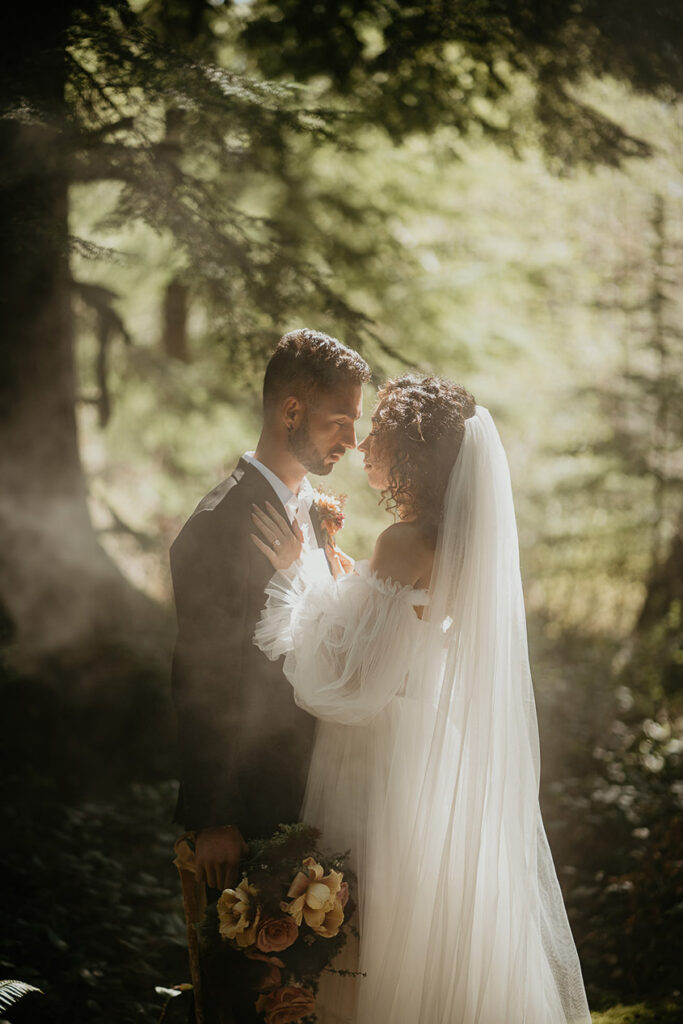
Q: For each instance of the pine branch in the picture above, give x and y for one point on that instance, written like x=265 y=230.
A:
x=109 y=324
x=99 y=89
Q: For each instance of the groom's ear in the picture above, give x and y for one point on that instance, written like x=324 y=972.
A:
x=292 y=412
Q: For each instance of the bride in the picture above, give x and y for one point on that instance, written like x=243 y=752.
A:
x=426 y=761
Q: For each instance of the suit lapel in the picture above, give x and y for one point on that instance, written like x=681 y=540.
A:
x=261 y=490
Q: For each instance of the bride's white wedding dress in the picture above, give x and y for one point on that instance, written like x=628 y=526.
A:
x=426 y=767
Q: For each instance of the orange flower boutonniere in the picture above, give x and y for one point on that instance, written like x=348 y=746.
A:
x=330 y=509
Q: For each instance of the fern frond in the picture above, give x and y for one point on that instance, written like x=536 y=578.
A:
x=11 y=990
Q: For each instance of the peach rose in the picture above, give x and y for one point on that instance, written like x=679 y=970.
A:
x=238 y=914
x=276 y=934
x=286 y=1005
x=273 y=978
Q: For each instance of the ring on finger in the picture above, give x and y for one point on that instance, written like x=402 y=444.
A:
x=276 y=542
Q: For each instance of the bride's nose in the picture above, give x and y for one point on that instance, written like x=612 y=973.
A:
x=363 y=446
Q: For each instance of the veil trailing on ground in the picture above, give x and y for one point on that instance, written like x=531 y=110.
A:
x=488 y=939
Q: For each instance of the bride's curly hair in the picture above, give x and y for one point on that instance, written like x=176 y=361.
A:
x=419 y=424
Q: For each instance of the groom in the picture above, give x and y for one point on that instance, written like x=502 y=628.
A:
x=244 y=746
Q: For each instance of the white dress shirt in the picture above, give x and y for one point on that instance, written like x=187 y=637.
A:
x=297 y=506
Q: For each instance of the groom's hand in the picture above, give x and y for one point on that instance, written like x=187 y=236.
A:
x=217 y=856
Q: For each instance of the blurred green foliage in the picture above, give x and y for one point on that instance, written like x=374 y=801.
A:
x=93 y=910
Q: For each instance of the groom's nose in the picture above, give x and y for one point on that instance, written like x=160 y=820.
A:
x=349 y=439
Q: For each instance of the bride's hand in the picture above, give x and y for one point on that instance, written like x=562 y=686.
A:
x=340 y=563
x=283 y=543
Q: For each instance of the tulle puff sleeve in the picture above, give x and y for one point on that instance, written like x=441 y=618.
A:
x=347 y=643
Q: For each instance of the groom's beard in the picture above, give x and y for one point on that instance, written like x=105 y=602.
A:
x=302 y=447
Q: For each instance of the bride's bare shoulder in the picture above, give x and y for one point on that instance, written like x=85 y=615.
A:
x=402 y=553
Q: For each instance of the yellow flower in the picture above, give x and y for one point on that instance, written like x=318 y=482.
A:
x=331 y=921
x=314 y=898
x=238 y=914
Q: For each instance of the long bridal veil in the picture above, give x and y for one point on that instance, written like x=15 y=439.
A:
x=426 y=765
x=475 y=931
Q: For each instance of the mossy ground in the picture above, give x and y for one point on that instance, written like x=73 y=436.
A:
x=665 y=1013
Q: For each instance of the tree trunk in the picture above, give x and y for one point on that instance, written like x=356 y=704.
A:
x=58 y=589
x=664 y=587
x=174 y=321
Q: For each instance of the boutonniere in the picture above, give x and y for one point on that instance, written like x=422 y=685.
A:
x=330 y=509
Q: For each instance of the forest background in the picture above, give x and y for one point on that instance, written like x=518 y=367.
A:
x=489 y=191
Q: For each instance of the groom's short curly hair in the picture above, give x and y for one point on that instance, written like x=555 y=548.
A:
x=305 y=361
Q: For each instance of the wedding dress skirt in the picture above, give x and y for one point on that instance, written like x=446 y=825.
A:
x=436 y=946
x=353 y=771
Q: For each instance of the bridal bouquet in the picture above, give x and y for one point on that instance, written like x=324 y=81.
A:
x=285 y=921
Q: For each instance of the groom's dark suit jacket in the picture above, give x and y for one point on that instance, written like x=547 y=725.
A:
x=244 y=745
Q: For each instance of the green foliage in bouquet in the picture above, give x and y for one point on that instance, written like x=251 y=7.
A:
x=283 y=924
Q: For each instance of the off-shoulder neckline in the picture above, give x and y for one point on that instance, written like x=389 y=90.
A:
x=387 y=585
